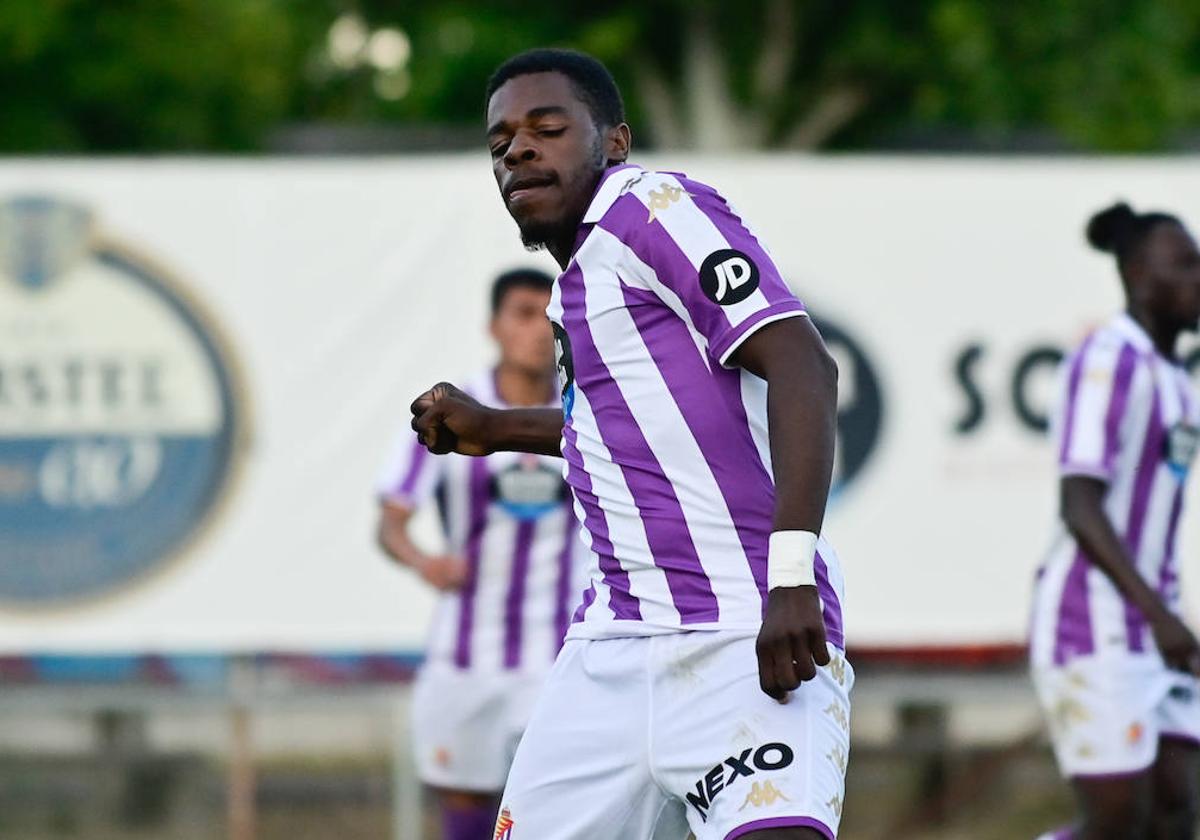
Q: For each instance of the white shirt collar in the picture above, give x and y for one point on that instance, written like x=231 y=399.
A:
x=1131 y=329
x=612 y=186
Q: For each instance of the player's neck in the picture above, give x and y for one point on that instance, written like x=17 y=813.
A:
x=1163 y=336
x=518 y=387
x=563 y=249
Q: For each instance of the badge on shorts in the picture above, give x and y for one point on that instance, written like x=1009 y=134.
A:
x=1180 y=448
x=728 y=276
x=504 y=826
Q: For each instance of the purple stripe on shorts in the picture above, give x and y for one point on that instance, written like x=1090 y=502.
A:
x=1143 y=485
x=420 y=456
x=662 y=517
x=514 y=602
x=1185 y=737
x=1122 y=380
x=832 y=607
x=1073 y=400
x=479 y=496
x=562 y=589
x=623 y=603
x=782 y=822
x=1073 y=636
x=733 y=461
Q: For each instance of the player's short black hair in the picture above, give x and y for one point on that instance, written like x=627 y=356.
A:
x=1120 y=230
x=519 y=278
x=593 y=84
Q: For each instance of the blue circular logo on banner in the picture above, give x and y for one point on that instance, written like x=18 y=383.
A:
x=118 y=410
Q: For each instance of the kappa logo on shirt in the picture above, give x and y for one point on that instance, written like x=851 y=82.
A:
x=773 y=756
x=662 y=198
x=728 y=276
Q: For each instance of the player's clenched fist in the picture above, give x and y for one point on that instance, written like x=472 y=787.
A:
x=447 y=419
x=791 y=644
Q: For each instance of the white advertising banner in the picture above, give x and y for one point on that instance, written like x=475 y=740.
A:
x=204 y=362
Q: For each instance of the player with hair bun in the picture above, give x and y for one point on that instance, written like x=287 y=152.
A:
x=1114 y=665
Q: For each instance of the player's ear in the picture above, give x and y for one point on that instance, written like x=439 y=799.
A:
x=492 y=331
x=617 y=141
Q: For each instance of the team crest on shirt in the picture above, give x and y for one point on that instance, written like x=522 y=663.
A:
x=529 y=489
x=1179 y=449
x=504 y=826
x=728 y=276
x=564 y=362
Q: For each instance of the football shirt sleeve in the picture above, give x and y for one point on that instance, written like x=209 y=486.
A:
x=1101 y=385
x=705 y=261
x=410 y=474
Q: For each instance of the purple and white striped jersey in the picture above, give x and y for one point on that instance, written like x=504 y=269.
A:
x=509 y=517
x=1130 y=417
x=666 y=446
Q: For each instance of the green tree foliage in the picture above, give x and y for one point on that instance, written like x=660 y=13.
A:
x=146 y=75
x=218 y=75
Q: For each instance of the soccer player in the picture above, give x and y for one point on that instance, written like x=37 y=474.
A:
x=697 y=425
x=513 y=573
x=1113 y=664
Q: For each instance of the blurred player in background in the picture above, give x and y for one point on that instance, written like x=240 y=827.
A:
x=511 y=574
x=697 y=424
x=1113 y=664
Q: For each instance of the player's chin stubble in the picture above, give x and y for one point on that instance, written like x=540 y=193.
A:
x=538 y=234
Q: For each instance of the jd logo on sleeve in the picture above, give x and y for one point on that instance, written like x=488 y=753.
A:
x=728 y=276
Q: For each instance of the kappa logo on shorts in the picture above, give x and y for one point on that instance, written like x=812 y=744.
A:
x=773 y=756
x=763 y=795
x=504 y=826
x=728 y=276
x=839 y=715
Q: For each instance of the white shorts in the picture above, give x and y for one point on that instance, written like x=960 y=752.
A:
x=466 y=724
x=633 y=735
x=1107 y=714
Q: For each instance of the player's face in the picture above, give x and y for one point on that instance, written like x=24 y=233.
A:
x=547 y=155
x=522 y=331
x=1172 y=274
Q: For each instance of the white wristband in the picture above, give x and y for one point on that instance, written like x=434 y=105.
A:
x=790 y=557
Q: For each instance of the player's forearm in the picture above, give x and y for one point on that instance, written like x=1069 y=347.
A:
x=394 y=540
x=1083 y=512
x=802 y=426
x=536 y=430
